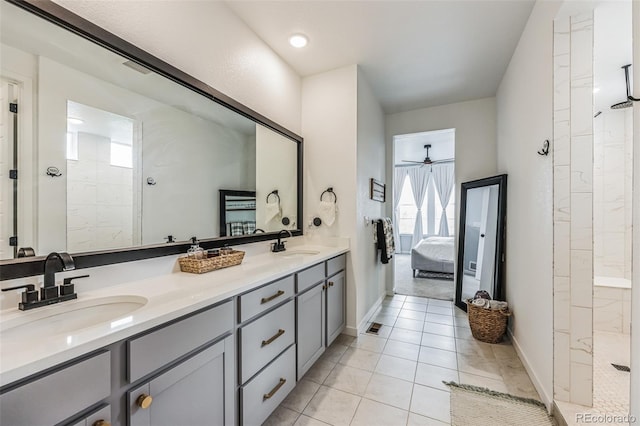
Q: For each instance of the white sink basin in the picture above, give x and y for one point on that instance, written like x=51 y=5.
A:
x=68 y=317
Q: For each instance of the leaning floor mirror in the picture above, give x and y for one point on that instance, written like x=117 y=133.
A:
x=481 y=245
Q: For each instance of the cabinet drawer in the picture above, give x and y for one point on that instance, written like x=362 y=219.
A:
x=265 y=297
x=103 y=414
x=310 y=276
x=266 y=391
x=151 y=351
x=59 y=395
x=265 y=338
x=336 y=264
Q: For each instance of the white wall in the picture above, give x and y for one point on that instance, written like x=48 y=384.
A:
x=208 y=41
x=371 y=161
x=635 y=291
x=475 y=141
x=329 y=126
x=524 y=117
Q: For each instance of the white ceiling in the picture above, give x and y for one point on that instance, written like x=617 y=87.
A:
x=414 y=54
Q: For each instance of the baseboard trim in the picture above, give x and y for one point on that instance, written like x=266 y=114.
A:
x=557 y=415
x=546 y=398
x=363 y=324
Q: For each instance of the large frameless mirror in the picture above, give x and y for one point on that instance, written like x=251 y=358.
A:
x=481 y=239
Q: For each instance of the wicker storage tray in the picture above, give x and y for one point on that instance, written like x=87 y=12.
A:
x=487 y=325
x=200 y=266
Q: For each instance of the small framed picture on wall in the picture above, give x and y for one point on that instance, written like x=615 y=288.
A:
x=377 y=190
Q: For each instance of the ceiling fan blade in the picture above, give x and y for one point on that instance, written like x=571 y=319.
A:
x=415 y=162
x=446 y=160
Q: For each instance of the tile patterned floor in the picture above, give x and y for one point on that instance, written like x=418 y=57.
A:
x=395 y=378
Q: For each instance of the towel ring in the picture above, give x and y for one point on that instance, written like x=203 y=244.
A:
x=330 y=191
x=274 y=192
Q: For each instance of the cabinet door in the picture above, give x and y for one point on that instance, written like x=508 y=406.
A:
x=197 y=392
x=311 y=327
x=101 y=417
x=336 y=316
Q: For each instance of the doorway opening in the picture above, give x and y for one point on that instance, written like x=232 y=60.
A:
x=424 y=199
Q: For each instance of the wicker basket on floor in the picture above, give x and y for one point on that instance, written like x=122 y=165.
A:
x=487 y=325
x=200 y=266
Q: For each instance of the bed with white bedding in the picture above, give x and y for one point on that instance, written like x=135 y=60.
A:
x=433 y=254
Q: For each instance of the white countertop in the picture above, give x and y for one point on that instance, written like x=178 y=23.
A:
x=37 y=346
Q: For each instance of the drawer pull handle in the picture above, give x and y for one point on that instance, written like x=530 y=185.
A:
x=101 y=422
x=330 y=283
x=274 y=390
x=271 y=339
x=270 y=298
x=144 y=401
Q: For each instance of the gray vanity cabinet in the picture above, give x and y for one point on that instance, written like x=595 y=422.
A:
x=193 y=393
x=101 y=417
x=311 y=327
x=336 y=315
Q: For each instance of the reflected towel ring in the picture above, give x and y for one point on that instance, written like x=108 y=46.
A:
x=274 y=192
x=330 y=191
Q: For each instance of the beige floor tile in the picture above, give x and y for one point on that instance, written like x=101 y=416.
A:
x=372 y=413
x=437 y=341
x=463 y=333
x=370 y=343
x=308 y=421
x=360 y=358
x=475 y=348
x=409 y=324
x=418 y=420
x=518 y=382
x=441 y=329
x=433 y=376
x=348 y=379
x=388 y=310
x=417 y=299
x=402 y=350
x=439 y=357
x=385 y=319
x=405 y=335
x=344 y=339
x=332 y=406
x=439 y=319
x=334 y=352
x=397 y=367
x=441 y=303
x=439 y=310
x=414 y=315
x=431 y=402
x=300 y=396
x=320 y=370
x=415 y=307
x=479 y=366
x=497 y=385
x=461 y=321
x=281 y=416
x=389 y=390
x=392 y=303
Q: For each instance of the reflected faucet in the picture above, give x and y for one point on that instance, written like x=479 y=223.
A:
x=55 y=262
x=279 y=245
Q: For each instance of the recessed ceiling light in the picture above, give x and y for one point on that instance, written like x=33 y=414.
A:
x=596 y=89
x=298 y=40
x=73 y=120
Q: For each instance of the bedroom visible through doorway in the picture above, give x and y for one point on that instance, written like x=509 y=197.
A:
x=424 y=213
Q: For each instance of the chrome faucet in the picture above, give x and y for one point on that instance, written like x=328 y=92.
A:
x=279 y=245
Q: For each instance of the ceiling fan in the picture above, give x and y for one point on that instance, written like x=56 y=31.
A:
x=427 y=160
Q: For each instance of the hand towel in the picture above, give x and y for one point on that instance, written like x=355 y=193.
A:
x=384 y=239
x=327 y=212
x=272 y=210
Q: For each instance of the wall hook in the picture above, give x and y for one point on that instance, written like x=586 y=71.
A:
x=545 y=148
x=53 y=171
x=151 y=181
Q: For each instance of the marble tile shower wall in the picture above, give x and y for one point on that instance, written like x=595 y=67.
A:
x=612 y=186
x=573 y=209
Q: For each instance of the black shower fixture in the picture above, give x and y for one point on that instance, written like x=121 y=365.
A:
x=630 y=99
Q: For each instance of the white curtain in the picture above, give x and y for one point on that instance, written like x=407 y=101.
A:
x=398 y=181
x=419 y=178
x=444 y=180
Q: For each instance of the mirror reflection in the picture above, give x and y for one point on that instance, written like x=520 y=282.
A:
x=480 y=247
x=112 y=155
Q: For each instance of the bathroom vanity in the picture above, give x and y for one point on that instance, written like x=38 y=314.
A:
x=222 y=348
